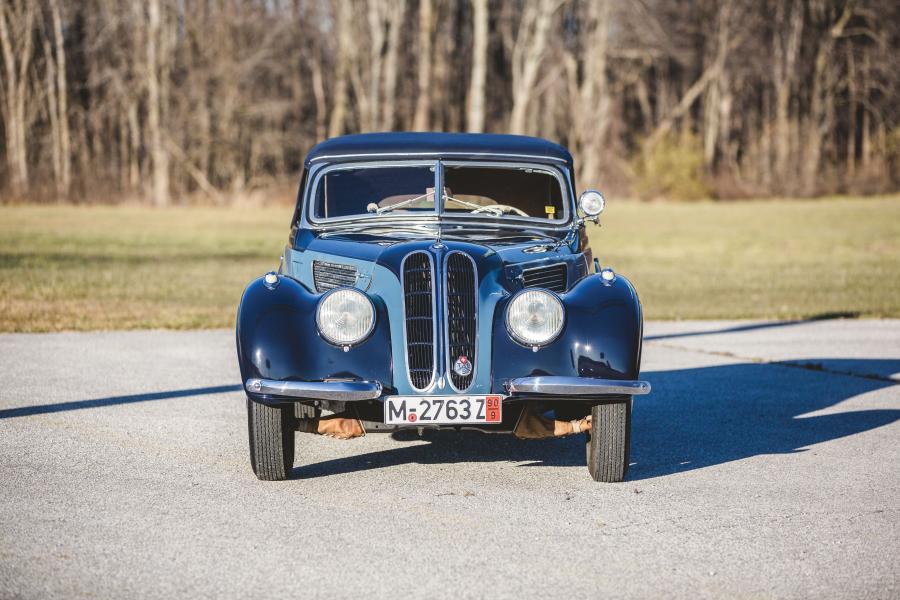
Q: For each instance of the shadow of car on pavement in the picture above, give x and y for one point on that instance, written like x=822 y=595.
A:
x=694 y=418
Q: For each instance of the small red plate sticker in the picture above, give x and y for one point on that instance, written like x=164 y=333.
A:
x=492 y=409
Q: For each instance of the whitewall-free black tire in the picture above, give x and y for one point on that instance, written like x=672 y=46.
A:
x=271 y=431
x=609 y=440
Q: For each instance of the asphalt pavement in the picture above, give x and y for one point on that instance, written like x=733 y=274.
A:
x=765 y=464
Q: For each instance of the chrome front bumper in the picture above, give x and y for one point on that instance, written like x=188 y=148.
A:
x=576 y=386
x=354 y=391
x=345 y=391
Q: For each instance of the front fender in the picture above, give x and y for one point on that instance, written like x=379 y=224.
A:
x=277 y=338
x=601 y=337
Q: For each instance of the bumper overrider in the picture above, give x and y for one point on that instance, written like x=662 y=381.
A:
x=564 y=388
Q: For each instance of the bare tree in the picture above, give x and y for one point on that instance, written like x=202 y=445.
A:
x=16 y=22
x=164 y=99
x=159 y=156
x=528 y=56
x=475 y=110
x=424 y=57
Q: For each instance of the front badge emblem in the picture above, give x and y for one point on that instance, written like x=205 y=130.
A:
x=462 y=367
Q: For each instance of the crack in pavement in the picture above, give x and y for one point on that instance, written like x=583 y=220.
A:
x=806 y=366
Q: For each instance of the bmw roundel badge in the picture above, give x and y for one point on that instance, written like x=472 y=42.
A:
x=462 y=366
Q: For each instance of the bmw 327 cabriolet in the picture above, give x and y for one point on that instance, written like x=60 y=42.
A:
x=440 y=281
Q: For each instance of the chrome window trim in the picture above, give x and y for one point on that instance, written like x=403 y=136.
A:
x=447 y=358
x=561 y=173
x=434 y=339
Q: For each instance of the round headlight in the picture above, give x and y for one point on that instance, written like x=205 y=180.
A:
x=345 y=316
x=534 y=317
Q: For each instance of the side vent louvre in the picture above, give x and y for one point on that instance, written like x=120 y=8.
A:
x=328 y=275
x=553 y=278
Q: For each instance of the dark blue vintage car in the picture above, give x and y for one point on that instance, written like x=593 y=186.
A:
x=480 y=307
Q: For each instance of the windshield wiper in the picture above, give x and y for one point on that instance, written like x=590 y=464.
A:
x=386 y=209
x=472 y=205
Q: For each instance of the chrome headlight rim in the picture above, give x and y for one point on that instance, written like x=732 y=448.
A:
x=344 y=343
x=534 y=345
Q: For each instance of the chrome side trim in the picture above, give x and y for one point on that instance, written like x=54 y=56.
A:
x=347 y=391
x=447 y=358
x=576 y=386
x=434 y=332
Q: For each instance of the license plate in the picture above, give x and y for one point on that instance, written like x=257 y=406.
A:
x=441 y=410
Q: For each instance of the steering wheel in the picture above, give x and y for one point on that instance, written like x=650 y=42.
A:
x=499 y=210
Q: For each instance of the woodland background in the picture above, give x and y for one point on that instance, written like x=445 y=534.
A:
x=216 y=101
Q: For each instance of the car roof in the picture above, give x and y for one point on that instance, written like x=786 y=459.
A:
x=438 y=145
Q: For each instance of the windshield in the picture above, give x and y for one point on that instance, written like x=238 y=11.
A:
x=503 y=191
x=357 y=191
x=470 y=190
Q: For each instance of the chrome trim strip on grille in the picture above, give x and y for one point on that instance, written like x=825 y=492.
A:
x=434 y=332
x=448 y=357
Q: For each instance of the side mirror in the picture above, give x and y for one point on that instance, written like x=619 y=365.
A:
x=591 y=203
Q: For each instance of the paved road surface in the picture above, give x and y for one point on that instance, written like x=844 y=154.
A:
x=766 y=463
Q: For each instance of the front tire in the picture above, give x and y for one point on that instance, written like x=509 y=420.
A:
x=609 y=440
x=271 y=431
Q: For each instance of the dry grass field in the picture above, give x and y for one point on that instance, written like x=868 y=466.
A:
x=84 y=268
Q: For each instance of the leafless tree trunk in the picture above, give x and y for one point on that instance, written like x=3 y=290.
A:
x=475 y=109
x=57 y=102
x=528 y=57
x=591 y=122
x=422 y=118
x=159 y=156
x=345 y=41
x=822 y=99
x=788 y=32
x=16 y=21
x=717 y=102
x=396 y=13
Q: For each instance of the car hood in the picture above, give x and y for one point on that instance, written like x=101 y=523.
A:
x=492 y=250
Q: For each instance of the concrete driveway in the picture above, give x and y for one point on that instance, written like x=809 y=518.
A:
x=766 y=463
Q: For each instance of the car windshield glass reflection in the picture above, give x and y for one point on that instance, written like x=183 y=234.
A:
x=375 y=190
x=503 y=191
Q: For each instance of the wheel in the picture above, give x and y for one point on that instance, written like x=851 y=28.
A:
x=271 y=431
x=608 y=441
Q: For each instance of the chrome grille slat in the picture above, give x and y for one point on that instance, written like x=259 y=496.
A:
x=418 y=314
x=327 y=276
x=552 y=277
x=461 y=314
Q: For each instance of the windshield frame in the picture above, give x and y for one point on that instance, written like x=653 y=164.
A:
x=562 y=176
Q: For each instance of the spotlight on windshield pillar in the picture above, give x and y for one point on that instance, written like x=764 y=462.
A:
x=591 y=203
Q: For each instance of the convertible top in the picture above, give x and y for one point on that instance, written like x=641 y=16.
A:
x=443 y=145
